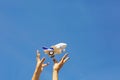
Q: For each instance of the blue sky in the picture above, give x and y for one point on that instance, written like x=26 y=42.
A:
x=90 y=28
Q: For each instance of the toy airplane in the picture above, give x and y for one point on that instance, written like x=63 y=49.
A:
x=55 y=49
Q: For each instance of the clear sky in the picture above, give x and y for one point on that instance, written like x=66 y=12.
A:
x=91 y=28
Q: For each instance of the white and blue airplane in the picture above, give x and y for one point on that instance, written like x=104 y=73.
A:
x=55 y=49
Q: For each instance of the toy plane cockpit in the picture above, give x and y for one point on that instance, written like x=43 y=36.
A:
x=55 y=49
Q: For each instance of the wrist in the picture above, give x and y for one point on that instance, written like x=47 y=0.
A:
x=38 y=72
x=56 y=71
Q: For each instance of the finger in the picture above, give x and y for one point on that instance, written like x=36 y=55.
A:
x=44 y=65
x=66 y=59
x=48 y=63
x=42 y=60
x=54 y=60
x=38 y=55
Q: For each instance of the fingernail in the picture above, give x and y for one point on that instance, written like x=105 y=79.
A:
x=37 y=51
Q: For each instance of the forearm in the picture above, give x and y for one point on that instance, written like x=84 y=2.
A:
x=36 y=74
x=55 y=75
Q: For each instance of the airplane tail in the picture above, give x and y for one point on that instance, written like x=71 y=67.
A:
x=45 y=48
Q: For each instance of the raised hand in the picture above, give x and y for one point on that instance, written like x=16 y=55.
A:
x=39 y=66
x=40 y=62
x=58 y=65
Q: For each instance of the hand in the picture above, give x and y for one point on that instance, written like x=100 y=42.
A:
x=58 y=65
x=40 y=63
x=39 y=66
